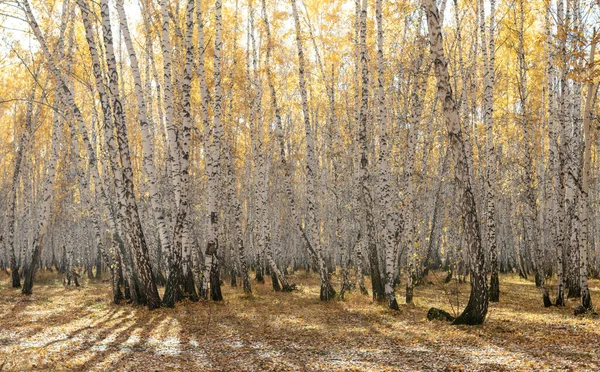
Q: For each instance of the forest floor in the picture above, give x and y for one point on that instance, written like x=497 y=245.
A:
x=60 y=328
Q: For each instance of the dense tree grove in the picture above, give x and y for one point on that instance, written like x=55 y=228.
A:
x=175 y=147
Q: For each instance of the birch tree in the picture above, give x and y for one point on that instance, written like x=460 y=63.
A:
x=327 y=291
x=476 y=309
x=592 y=89
x=211 y=265
x=10 y=211
x=490 y=152
x=389 y=220
x=366 y=195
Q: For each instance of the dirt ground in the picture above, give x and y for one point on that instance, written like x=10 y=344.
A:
x=66 y=328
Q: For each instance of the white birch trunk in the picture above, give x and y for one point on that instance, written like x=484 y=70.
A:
x=211 y=274
x=592 y=87
x=476 y=309
x=327 y=292
x=389 y=223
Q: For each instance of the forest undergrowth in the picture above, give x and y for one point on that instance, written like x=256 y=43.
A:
x=68 y=328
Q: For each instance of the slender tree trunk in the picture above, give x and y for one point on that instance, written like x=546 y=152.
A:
x=476 y=309
x=531 y=211
x=172 y=288
x=417 y=94
x=30 y=269
x=490 y=152
x=367 y=200
x=327 y=291
x=10 y=210
x=134 y=233
x=211 y=275
x=147 y=140
x=561 y=216
x=586 y=300
x=232 y=193
x=387 y=199
x=182 y=227
x=115 y=218
x=575 y=147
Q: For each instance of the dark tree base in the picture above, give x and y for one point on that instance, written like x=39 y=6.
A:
x=16 y=279
x=159 y=278
x=547 y=302
x=246 y=281
x=468 y=319
x=173 y=293
x=29 y=274
x=573 y=286
x=583 y=310
x=574 y=292
x=494 y=288
x=327 y=291
x=215 y=282
x=409 y=295
x=538 y=280
x=377 y=286
x=116 y=288
x=448 y=277
x=289 y=288
x=126 y=291
x=189 y=288
x=346 y=287
x=275 y=282
x=233 y=278
x=560 y=300
x=259 y=276
x=586 y=301
x=475 y=312
x=392 y=304
x=363 y=290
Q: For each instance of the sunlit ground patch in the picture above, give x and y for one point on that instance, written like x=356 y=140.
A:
x=68 y=328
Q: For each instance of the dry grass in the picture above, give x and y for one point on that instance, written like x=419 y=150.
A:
x=62 y=328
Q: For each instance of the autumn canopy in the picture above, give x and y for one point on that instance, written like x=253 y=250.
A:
x=407 y=159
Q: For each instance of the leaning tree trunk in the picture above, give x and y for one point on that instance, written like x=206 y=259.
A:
x=115 y=218
x=477 y=307
x=68 y=99
x=108 y=136
x=134 y=231
x=147 y=140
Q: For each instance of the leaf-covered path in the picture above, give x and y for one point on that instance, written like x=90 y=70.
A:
x=78 y=328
